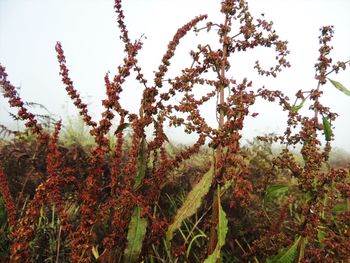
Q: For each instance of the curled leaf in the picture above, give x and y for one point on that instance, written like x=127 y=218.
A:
x=95 y=252
x=298 y=107
x=121 y=127
x=193 y=240
x=221 y=230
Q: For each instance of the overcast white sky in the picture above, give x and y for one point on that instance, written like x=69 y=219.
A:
x=88 y=31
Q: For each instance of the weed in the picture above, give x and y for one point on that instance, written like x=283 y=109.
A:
x=106 y=202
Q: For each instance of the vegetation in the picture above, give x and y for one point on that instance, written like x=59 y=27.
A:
x=133 y=198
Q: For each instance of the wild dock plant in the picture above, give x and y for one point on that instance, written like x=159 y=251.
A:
x=118 y=217
x=320 y=187
x=233 y=108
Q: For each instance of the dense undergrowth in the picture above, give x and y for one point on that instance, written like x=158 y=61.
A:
x=129 y=197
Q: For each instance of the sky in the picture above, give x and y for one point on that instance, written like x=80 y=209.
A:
x=89 y=35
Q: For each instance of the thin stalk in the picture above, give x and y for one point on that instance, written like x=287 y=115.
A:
x=219 y=150
x=20 y=195
x=58 y=245
x=346 y=62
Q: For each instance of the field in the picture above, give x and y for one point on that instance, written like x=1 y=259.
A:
x=119 y=190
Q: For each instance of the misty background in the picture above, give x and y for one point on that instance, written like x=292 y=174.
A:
x=89 y=34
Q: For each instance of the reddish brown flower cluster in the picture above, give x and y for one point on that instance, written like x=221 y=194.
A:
x=253 y=33
x=70 y=88
x=7 y=198
x=15 y=101
x=324 y=61
x=48 y=194
x=124 y=32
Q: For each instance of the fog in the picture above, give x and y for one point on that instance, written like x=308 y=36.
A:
x=89 y=34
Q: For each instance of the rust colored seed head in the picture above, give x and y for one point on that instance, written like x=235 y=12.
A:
x=7 y=198
x=15 y=101
x=70 y=88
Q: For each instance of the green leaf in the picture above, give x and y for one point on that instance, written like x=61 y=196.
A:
x=275 y=191
x=339 y=208
x=327 y=129
x=286 y=255
x=340 y=87
x=222 y=230
x=298 y=107
x=136 y=234
x=321 y=234
x=301 y=245
x=192 y=202
x=291 y=253
x=95 y=252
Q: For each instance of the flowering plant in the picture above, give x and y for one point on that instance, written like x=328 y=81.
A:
x=111 y=212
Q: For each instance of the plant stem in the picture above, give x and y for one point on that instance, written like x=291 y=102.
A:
x=219 y=150
x=58 y=245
